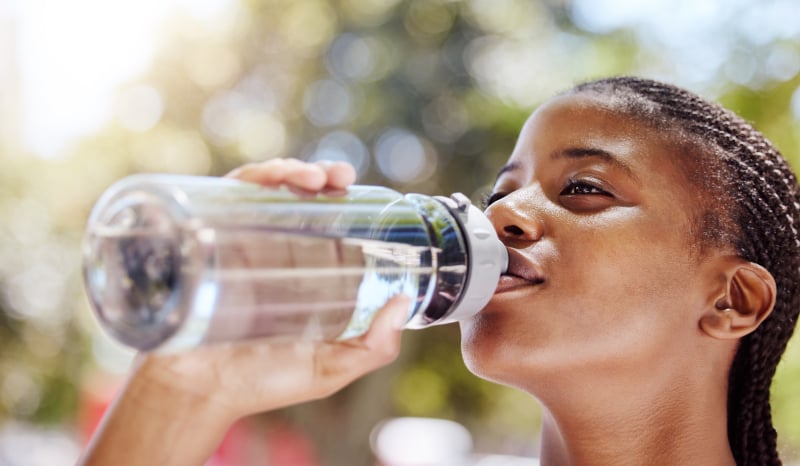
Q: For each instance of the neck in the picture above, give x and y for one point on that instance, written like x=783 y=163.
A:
x=682 y=422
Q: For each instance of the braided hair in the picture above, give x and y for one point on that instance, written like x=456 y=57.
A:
x=759 y=215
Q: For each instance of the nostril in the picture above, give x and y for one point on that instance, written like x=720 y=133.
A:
x=513 y=230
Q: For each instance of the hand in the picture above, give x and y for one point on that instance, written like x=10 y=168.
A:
x=261 y=307
x=180 y=405
x=244 y=378
x=302 y=177
x=238 y=379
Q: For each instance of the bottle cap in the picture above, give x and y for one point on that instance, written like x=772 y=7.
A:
x=487 y=257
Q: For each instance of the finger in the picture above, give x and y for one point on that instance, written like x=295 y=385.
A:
x=269 y=173
x=336 y=365
x=302 y=176
x=390 y=318
x=248 y=377
x=340 y=175
x=305 y=176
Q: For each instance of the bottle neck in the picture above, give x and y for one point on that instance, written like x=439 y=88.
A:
x=450 y=260
x=484 y=257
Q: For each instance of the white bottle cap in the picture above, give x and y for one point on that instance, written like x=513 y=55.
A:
x=487 y=257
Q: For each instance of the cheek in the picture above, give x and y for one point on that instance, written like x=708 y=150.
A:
x=631 y=296
x=628 y=277
x=611 y=303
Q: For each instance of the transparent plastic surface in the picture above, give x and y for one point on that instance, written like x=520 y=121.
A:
x=179 y=261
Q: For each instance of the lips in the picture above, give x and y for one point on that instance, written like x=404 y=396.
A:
x=521 y=273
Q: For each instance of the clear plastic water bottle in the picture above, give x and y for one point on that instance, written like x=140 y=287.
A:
x=175 y=261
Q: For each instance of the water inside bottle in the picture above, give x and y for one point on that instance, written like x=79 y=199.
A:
x=248 y=283
x=279 y=283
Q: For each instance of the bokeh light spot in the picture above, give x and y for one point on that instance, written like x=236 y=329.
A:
x=507 y=17
x=342 y=146
x=172 y=150
x=351 y=57
x=327 y=103
x=403 y=157
x=425 y=17
x=139 y=108
x=35 y=293
x=309 y=24
x=783 y=62
x=212 y=66
x=32 y=223
x=435 y=442
x=445 y=119
x=796 y=103
x=514 y=71
x=741 y=67
x=219 y=116
x=19 y=392
x=368 y=12
x=261 y=135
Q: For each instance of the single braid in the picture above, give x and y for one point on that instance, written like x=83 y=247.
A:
x=762 y=205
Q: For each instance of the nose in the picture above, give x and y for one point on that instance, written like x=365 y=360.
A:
x=516 y=221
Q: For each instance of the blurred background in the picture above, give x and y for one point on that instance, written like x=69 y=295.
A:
x=420 y=95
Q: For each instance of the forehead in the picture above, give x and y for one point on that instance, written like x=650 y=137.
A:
x=582 y=118
x=588 y=121
x=656 y=159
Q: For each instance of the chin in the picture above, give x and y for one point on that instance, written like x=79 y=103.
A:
x=508 y=351
x=485 y=352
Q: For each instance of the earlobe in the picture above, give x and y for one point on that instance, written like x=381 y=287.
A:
x=747 y=299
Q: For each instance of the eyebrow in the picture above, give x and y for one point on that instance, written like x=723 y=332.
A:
x=577 y=153
x=588 y=152
x=507 y=168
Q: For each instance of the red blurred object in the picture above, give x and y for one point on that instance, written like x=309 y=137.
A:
x=97 y=393
x=248 y=442
x=289 y=447
x=252 y=443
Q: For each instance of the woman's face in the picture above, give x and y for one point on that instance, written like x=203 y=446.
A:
x=603 y=272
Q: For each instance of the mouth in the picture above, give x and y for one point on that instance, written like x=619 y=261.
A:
x=521 y=273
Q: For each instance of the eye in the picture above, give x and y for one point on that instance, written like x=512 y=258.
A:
x=492 y=198
x=583 y=188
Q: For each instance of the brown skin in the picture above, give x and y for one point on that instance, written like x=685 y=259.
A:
x=609 y=314
x=175 y=408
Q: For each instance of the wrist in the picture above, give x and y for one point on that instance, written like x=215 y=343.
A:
x=153 y=421
x=159 y=384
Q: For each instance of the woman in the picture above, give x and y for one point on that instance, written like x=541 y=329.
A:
x=651 y=290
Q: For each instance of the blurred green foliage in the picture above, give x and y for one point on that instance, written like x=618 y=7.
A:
x=421 y=95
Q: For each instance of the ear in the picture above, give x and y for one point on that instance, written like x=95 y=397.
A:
x=746 y=300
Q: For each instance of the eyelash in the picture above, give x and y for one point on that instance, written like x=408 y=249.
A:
x=491 y=198
x=589 y=189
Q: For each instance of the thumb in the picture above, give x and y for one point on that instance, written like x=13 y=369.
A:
x=382 y=340
x=337 y=364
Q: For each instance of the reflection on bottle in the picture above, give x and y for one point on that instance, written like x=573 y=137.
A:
x=181 y=261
